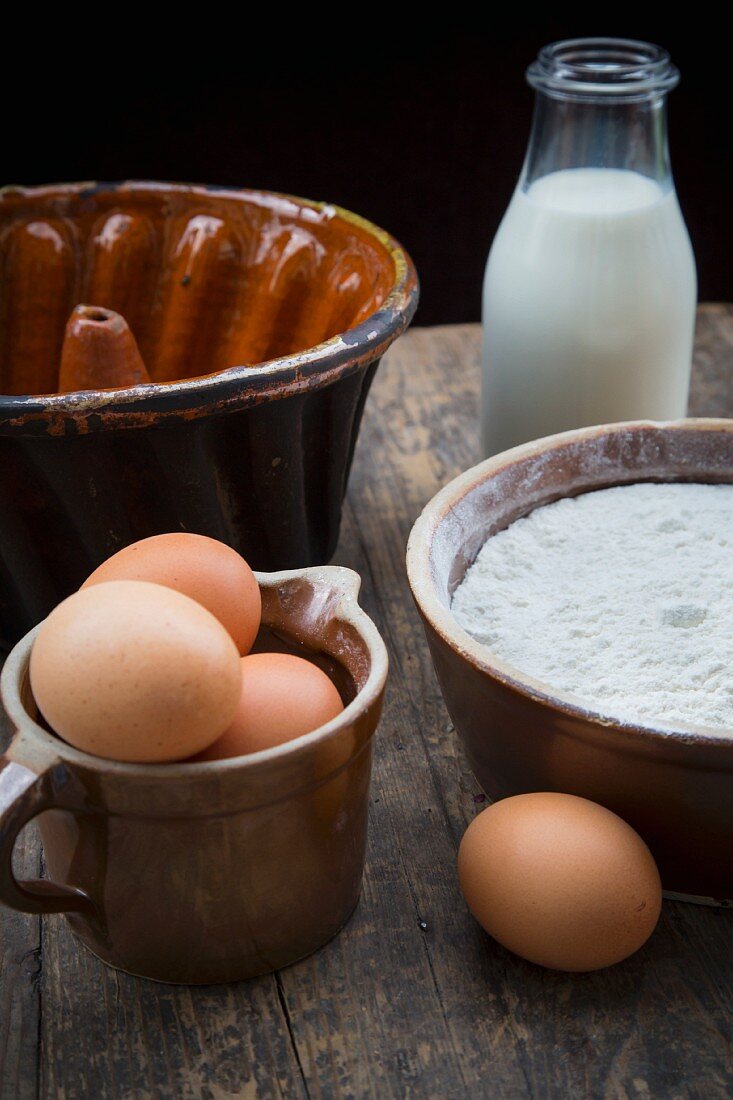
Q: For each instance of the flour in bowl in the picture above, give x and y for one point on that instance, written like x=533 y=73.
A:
x=622 y=597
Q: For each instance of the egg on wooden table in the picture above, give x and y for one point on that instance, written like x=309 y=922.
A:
x=560 y=880
x=282 y=697
x=135 y=671
x=208 y=571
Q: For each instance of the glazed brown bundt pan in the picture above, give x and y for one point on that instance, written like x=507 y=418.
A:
x=260 y=320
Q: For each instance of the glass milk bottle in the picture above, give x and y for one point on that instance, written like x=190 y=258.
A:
x=590 y=287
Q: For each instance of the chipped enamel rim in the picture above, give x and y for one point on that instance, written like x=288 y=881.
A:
x=235 y=387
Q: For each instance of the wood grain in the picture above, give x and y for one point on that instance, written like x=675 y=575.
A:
x=412 y=999
x=20 y=974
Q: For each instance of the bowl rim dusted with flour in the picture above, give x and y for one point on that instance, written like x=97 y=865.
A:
x=441 y=515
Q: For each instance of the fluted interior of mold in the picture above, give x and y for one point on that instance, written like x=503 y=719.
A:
x=206 y=281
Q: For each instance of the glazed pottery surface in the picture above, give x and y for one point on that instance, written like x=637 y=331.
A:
x=260 y=320
x=676 y=788
x=215 y=871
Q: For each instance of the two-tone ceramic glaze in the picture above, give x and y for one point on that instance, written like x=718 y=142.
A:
x=261 y=320
x=212 y=871
x=676 y=788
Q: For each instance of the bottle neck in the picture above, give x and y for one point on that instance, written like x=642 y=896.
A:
x=568 y=133
x=600 y=103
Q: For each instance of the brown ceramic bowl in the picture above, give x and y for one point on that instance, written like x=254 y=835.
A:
x=207 y=871
x=261 y=319
x=519 y=734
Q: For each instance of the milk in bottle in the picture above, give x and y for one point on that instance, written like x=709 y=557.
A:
x=590 y=288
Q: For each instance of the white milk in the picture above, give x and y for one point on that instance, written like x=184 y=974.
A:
x=589 y=307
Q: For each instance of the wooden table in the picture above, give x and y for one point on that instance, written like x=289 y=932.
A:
x=412 y=999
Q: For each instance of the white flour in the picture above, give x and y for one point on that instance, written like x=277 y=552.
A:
x=622 y=597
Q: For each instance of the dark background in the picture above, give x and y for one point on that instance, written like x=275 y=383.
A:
x=422 y=131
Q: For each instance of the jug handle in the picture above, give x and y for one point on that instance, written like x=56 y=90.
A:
x=23 y=795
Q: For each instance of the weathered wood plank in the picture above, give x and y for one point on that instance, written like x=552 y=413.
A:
x=711 y=387
x=20 y=972
x=411 y=1000
x=106 y=1034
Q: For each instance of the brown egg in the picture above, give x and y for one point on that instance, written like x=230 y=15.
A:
x=560 y=881
x=282 y=697
x=135 y=671
x=206 y=570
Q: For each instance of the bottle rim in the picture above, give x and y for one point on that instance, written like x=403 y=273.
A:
x=603 y=69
